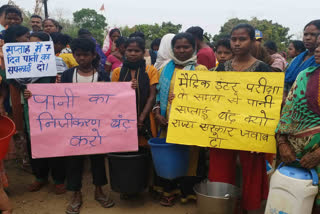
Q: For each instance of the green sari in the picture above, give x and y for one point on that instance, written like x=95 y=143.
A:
x=300 y=116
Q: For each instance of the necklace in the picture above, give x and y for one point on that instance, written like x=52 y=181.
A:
x=241 y=68
x=92 y=76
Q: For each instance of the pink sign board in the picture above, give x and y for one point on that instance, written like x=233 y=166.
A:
x=81 y=119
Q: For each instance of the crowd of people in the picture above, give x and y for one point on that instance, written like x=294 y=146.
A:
x=152 y=73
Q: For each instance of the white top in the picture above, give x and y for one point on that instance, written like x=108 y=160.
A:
x=84 y=79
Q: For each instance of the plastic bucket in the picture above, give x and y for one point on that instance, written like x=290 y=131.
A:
x=7 y=130
x=216 y=198
x=129 y=171
x=170 y=160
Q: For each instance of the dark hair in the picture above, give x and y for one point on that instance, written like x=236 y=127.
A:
x=113 y=31
x=36 y=16
x=250 y=30
x=197 y=32
x=140 y=42
x=271 y=45
x=315 y=23
x=86 y=45
x=4 y=7
x=187 y=36
x=155 y=42
x=63 y=39
x=14 y=10
x=223 y=42
x=120 y=41
x=138 y=34
x=13 y=32
x=41 y=35
x=298 y=45
x=53 y=21
x=84 y=32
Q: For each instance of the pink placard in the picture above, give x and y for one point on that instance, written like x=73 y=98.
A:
x=80 y=119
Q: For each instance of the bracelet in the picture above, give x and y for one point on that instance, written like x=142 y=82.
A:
x=282 y=142
x=155 y=108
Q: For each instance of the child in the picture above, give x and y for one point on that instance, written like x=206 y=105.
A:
x=13 y=16
x=144 y=80
x=223 y=162
x=84 y=51
x=5 y=205
x=42 y=166
x=224 y=52
x=61 y=50
x=295 y=48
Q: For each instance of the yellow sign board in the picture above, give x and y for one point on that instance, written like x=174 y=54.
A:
x=229 y=110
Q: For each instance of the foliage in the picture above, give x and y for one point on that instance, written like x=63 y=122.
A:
x=68 y=27
x=152 y=32
x=271 y=31
x=92 y=21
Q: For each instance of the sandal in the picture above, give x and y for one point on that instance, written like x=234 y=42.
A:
x=59 y=189
x=167 y=201
x=36 y=186
x=74 y=208
x=105 y=202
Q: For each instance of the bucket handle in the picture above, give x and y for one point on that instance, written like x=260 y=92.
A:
x=314 y=174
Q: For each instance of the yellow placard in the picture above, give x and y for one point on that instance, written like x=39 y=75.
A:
x=229 y=110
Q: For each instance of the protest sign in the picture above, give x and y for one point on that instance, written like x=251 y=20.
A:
x=31 y=59
x=83 y=118
x=229 y=110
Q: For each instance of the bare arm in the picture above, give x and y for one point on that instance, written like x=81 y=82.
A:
x=3 y=95
x=148 y=107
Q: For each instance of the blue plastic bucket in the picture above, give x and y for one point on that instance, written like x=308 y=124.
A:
x=170 y=160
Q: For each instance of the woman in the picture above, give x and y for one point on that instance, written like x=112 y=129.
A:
x=165 y=53
x=184 y=58
x=50 y=26
x=306 y=58
x=109 y=45
x=222 y=166
x=144 y=80
x=115 y=59
x=298 y=132
x=295 y=48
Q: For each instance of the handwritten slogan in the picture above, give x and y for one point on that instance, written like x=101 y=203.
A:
x=31 y=59
x=229 y=110
x=83 y=118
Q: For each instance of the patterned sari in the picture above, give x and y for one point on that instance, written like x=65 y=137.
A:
x=300 y=117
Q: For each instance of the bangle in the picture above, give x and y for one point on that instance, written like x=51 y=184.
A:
x=155 y=107
x=282 y=142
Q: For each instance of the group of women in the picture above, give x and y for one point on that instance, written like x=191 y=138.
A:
x=298 y=132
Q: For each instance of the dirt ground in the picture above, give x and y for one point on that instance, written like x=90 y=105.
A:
x=46 y=202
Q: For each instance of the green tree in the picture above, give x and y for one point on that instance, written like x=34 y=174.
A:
x=154 y=31
x=68 y=27
x=271 y=31
x=92 y=21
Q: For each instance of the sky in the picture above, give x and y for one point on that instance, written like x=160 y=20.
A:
x=209 y=14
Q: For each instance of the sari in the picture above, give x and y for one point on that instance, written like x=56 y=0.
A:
x=108 y=45
x=300 y=116
x=296 y=66
x=184 y=185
